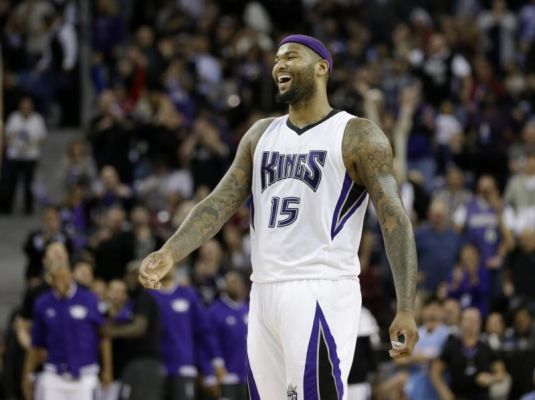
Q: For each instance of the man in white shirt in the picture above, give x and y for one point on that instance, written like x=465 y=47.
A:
x=25 y=131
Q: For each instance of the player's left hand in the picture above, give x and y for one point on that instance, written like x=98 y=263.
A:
x=403 y=326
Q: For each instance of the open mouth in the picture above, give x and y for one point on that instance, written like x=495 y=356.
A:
x=284 y=79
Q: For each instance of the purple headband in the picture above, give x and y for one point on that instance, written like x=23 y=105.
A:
x=313 y=44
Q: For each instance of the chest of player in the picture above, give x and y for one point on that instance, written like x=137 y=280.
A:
x=70 y=321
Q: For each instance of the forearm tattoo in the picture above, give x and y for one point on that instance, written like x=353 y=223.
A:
x=368 y=156
x=207 y=217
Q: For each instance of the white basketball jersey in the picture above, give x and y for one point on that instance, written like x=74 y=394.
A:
x=306 y=212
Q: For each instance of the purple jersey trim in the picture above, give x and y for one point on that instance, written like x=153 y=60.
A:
x=343 y=211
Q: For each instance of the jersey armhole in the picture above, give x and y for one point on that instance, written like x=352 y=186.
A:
x=340 y=143
x=269 y=126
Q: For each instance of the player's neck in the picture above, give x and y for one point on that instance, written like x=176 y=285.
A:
x=309 y=111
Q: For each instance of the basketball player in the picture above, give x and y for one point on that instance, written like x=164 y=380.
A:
x=310 y=174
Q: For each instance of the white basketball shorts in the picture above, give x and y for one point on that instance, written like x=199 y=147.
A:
x=301 y=339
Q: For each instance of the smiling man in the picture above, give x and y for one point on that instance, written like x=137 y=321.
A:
x=310 y=174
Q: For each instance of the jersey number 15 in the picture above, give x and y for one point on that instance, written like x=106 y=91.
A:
x=284 y=211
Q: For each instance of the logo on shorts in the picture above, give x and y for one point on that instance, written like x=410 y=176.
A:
x=292 y=392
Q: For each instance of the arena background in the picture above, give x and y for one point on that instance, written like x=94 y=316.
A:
x=140 y=106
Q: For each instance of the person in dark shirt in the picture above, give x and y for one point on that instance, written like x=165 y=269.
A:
x=118 y=311
x=114 y=246
x=472 y=365
x=37 y=241
x=143 y=374
x=520 y=345
x=520 y=267
x=364 y=361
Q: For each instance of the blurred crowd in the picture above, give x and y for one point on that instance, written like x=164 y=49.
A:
x=176 y=84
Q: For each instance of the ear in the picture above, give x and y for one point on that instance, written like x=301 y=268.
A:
x=322 y=68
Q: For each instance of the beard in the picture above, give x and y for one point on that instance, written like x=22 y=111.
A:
x=302 y=87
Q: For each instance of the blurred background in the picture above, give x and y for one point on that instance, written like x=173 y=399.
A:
x=120 y=115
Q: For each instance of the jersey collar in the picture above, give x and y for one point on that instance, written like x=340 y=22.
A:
x=302 y=130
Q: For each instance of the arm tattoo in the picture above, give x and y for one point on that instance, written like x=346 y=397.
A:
x=207 y=217
x=368 y=157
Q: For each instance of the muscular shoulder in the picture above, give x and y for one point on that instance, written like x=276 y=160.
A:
x=365 y=149
x=255 y=132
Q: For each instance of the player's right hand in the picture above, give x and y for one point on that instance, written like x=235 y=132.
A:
x=154 y=267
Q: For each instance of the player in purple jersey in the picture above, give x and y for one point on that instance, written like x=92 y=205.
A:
x=66 y=325
x=186 y=336
x=228 y=316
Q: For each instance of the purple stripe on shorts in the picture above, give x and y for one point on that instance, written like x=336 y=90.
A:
x=251 y=384
x=320 y=331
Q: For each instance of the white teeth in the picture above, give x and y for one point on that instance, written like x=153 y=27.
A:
x=282 y=77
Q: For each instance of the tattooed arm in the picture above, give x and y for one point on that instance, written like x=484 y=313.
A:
x=207 y=217
x=368 y=158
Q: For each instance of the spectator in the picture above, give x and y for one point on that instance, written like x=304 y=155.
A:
x=471 y=364
x=469 y=281
x=207 y=154
x=38 y=240
x=111 y=191
x=364 y=362
x=448 y=131
x=518 y=151
x=159 y=189
x=494 y=331
x=30 y=14
x=519 y=198
x=75 y=216
x=25 y=132
x=142 y=377
x=208 y=271
x=110 y=136
x=437 y=246
x=113 y=246
x=145 y=241
x=119 y=311
x=228 y=317
x=452 y=315
x=454 y=195
x=237 y=247
x=12 y=360
x=520 y=343
x=82 y=273
x=109 y=29
x=444 y=73
x=498 y=26
x=78 y=167
x=519 y=267
x=433 y=335
x=481 y=222
x=66 y=314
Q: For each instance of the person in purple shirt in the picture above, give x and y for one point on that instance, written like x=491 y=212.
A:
x=469 y=281
x=228 y=316
x=66 y=324
x=480 y=220
x=187 y=339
